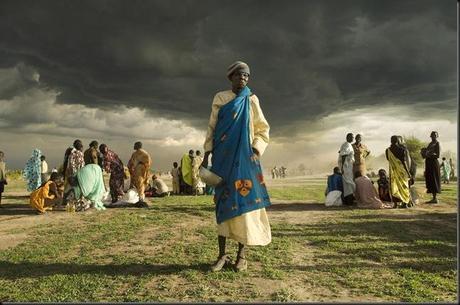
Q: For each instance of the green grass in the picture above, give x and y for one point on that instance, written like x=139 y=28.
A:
x=309 y=192
x=163 y=253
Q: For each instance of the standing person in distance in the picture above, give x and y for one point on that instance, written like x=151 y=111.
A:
x=345 y=163
x=431 y=154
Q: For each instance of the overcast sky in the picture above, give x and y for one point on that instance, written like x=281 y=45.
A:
x=122 y=71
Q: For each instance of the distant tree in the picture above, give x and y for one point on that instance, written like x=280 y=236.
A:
x=414 y=145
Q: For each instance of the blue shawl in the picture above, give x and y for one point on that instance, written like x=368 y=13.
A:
x=244 y=188
x=334 y=183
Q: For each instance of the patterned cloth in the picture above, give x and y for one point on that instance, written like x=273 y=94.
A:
x=114 y=166
x=32 y=171
x=76 y=161
x=252 y=228
x=244 y=188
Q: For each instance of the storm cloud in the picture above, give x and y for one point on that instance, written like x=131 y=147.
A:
x=159 y=63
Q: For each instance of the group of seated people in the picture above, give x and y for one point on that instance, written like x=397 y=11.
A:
x=365 y=194
x=87 y=190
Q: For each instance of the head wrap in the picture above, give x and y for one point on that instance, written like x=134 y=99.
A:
x=237 y=66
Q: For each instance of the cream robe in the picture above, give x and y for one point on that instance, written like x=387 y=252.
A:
x=139 y=168
x=196 y=181
x=250 y=228
x=347 y=176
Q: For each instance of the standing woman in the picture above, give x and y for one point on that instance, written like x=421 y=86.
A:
x=2 y=175
x=432 y=171
x=361 y=153
x=445 y=170
x=237 y=136
x=112 y=164
x=32 y=171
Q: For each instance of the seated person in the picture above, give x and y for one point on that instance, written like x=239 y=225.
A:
x=48 y=195
x=158 y=187
x=384 y=186
x=365 y=193
x=89 y=188
x=334 y=188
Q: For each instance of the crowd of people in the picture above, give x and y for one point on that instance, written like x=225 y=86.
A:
x=280 y=172
x=237 y=136
x=79 y=180
x=186 y=178
x=349 y=184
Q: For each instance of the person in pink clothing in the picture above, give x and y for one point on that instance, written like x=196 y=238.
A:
x=365 y=193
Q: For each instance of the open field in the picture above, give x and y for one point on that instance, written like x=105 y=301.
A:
x=163 y=253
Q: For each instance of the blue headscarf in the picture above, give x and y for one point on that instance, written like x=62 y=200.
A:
x=244 y=188
x=32 y=171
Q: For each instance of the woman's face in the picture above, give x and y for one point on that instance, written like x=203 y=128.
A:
x=103 y=150
x=358 y=139
x=239 y=79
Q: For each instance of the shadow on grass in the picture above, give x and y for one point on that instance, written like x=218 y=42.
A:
x=332 y=265
x=15 y=197
x=416 y=216
x=197 y=210
x=11 y=271
x=423 y=241
x=16 y=209
x=296 y=206
x=391 y=227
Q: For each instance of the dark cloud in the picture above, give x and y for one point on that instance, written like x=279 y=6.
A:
x=308 y=58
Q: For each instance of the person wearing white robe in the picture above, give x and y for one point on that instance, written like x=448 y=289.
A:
x=345 y=162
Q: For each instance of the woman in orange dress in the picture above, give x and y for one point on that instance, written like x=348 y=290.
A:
x=45 y=196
